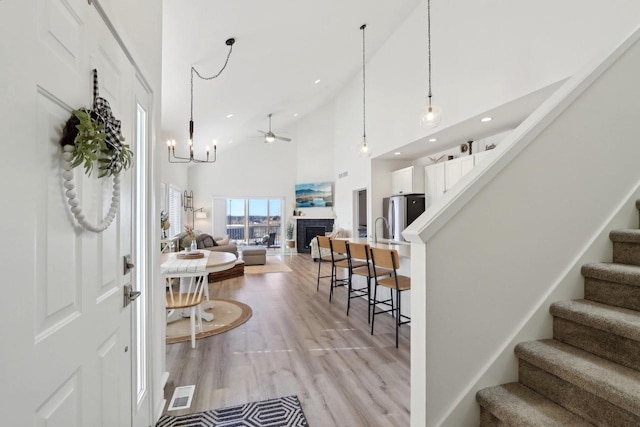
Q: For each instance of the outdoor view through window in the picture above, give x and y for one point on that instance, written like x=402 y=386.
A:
x=254 y=221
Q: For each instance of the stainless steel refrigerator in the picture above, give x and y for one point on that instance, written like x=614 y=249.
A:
x=400 y=211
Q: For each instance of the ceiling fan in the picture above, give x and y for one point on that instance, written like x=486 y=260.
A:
x=269 y=137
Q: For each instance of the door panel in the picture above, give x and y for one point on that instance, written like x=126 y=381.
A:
x=57 y=263
x=69 y=358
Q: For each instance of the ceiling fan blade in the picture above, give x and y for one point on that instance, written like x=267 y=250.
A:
x=282 y=138
x=262 y=132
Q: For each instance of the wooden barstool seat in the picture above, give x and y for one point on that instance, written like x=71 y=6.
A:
x=385 y=260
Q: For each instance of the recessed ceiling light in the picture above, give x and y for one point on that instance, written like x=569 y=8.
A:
x=316 y=82
x=433 y=139
x=397 y=153
x=229 y=115
x=230 y=142
x=486 y=119
x=295 y=114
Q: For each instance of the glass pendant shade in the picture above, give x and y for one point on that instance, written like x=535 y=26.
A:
x=430 y=116
x=364 y=149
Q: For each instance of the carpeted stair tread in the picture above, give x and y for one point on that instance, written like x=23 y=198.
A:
x=610 y=272
x=615 y=320
x=631 y=235
x=607 y=380
x=517 y=405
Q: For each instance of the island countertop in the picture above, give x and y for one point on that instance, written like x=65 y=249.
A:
x=404 y=249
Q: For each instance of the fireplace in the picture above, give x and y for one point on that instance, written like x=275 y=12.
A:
x=307 y=229
x=310 y=233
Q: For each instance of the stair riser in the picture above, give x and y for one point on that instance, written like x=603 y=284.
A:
x=601 y=343
x=626 y=253
x=575 y=399
x=488 y=420
x=615 y=294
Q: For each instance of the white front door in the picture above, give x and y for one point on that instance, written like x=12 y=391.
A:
x=66 y=355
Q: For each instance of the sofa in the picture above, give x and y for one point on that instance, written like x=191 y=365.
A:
x=208 y=242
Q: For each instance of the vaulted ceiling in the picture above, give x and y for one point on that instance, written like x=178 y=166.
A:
x=282 y=48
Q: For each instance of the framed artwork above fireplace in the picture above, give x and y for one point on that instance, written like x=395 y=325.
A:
x=314 y=195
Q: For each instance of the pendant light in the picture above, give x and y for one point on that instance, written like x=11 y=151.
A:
x=364 y=149
x=431 y=115
x=171 y=144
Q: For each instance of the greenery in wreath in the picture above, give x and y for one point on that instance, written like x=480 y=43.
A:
x=93 y=147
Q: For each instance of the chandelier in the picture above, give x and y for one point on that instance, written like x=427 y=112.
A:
x=171 y=144
x=431 y=115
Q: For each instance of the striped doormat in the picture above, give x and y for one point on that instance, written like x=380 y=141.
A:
x=280 y=412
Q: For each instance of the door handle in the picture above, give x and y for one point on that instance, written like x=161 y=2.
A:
x=129 y=295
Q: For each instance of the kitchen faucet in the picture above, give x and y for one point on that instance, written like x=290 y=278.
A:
x=375 y=228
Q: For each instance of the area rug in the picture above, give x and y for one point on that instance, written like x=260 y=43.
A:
x=227 y=314
x=281 y=412
x=273 y=265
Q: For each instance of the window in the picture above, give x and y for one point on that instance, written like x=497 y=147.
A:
x=175 y=211
x=250 y=220
x=140 y=306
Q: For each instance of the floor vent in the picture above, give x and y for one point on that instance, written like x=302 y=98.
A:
x=181 y=398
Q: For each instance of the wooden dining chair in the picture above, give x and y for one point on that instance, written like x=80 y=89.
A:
x=384 y=260
x=190 y=295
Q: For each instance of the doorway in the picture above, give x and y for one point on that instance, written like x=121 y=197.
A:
x=360 y=212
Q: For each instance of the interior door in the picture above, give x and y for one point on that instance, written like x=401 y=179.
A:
x=67 y=357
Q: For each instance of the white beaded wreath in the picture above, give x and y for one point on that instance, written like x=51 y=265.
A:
x=74 y=201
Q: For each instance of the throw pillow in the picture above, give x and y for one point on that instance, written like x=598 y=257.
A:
x=205 y=241
x=224 y=241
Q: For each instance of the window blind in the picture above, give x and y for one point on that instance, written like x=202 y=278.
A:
x=175 y=211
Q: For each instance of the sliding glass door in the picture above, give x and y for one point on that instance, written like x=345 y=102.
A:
x=255 y=221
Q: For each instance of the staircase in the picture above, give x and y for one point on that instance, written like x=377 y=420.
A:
x=589 y=373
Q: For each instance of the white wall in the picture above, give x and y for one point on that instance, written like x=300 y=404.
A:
x=492 y=53
x=502 y=252
x=257 y=170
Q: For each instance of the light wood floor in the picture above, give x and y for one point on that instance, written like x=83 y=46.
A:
x=298 y=343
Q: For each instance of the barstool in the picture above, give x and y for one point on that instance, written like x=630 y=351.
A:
x=360 y=265
x=324 y=256
x=387 y=259
x=339 y=259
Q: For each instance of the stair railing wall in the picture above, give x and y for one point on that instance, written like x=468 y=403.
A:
x=514 y=232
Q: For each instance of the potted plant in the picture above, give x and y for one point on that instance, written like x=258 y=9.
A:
x=189 y=240
x=289 y=234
